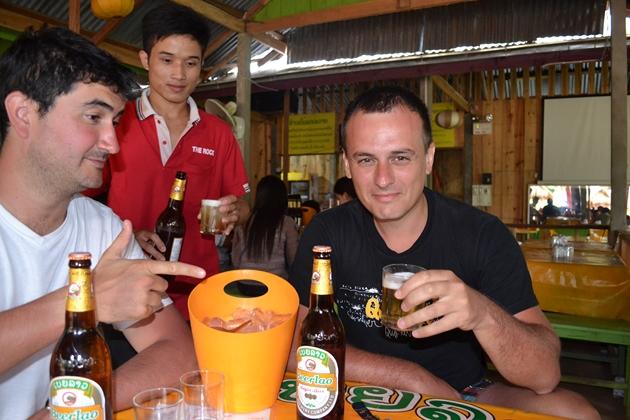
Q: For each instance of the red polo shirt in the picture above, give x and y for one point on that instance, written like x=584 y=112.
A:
x=140 y=184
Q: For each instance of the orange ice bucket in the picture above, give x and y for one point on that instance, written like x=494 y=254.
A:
x=253 y=363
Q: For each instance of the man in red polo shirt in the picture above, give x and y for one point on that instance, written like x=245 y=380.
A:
x=163 y=132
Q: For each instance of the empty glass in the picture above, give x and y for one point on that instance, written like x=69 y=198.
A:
x=203 y=395
x=159 y=404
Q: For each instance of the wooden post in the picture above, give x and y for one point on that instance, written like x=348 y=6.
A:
x=468 y=156
x=618 y=128
x=426 y=94
x=578 y=79
x=243 y=96
x=74 y=15
x=286 y=110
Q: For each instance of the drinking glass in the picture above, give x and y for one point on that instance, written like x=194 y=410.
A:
x=211 y=219
x=158 y=404
x=203 y=395
x=394 y=276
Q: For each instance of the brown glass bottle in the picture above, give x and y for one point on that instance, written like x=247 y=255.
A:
x=80 y=366
x=322 y=351
x=170 y=225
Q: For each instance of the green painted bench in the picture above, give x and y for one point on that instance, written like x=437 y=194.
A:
x=609 y=331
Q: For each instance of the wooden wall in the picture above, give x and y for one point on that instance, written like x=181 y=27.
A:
x=512 y=153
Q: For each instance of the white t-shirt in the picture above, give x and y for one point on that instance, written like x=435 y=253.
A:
x=32 y=266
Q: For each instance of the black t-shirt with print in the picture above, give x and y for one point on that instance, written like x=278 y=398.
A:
x=475 y=245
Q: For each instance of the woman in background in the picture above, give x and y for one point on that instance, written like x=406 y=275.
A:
x=269 y=239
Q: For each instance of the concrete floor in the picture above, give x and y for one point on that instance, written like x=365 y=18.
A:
x=610 y=406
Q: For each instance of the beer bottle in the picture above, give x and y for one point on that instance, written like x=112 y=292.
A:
x=322 y=351
x=170 y=226
x=80 y=366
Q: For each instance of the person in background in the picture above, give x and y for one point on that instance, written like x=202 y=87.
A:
x=535 y=217
x=344 y=190
x=484 y=304
x=550 y=210
x=61 y=99
x=309 y=209
x=313 y=204
x=163 y=132
x=269 y=239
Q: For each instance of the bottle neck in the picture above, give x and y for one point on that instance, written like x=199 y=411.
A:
x=175 y=204
x=322 y=302
x=321 y=285
x=80 y=306
x=80 y=320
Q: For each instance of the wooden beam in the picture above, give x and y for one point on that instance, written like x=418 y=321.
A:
x=468 y=157
x=74 y=15
x=19 y=20
x=286 y=111
x=273 y=43
x=244 y=96
x=235 y=24
x=221 y=64
x=215 y=14
x=271 y=55
x=345 y=12
x=256 y=7
x=618 y=121
x=110 y=25
x=217 y=42
x=105 y=30
x=457 y=97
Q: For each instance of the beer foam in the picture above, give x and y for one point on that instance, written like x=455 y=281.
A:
x=395 y=280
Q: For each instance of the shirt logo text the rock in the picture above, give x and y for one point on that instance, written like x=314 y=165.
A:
x=203 y=150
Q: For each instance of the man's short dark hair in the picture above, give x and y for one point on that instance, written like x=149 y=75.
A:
x=47 y=63
x=345 y=185
x=174 y=19
x=384 y=99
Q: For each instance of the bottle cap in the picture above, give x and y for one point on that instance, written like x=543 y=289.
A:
x=80 y=256
x=322 y=248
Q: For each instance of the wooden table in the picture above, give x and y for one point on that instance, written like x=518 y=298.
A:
x=388 y=404
x=586 y=298
x=594 y=283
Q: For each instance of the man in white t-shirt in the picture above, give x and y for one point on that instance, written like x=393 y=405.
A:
x=61 y=98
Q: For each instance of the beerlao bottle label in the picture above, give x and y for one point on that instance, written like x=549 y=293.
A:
x=176 y=249
x=317 y=382
x=177 y=191
x=80 y=292
x=74 y=397
x=321 y=280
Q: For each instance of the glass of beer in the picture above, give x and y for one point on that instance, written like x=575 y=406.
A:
x=211 y=219
x=394 y=275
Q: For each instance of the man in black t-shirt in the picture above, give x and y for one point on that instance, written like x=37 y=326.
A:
x=476 y=274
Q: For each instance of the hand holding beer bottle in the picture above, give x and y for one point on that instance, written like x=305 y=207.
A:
x=165 y=241
x=170 y=225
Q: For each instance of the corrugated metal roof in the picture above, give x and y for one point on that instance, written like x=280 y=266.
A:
x=130 y=31
x=441 y=28
x=465 y=24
